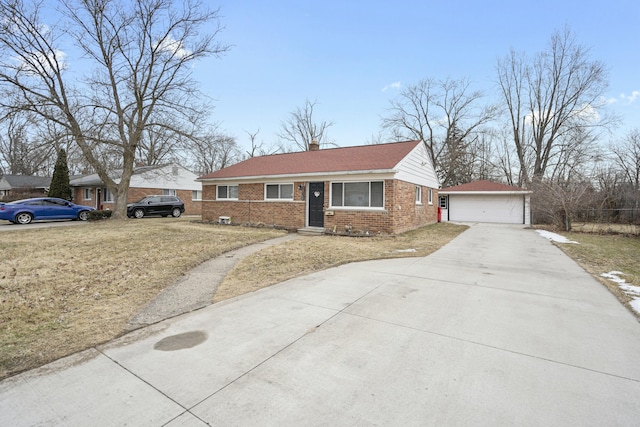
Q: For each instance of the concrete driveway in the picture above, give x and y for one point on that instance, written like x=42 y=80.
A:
x=497 y=328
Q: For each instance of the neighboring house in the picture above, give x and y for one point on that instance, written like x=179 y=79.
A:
x=485 y=201
x=387 y=188
x=173 y=180
x=19 y=184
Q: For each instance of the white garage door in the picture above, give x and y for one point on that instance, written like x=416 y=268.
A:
x=486 y=208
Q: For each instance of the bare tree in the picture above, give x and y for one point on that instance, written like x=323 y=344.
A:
x=486 y=162
x=578 y=151
x=627 y=157
x=258 y=148
x=212 y=151
x=557 y=92
x=255 y=147
x=301 y=129
x=157 y=146
x=139 y=54
x=446 y=115
x=21 y=151
x=505 y=157
x=560 y=201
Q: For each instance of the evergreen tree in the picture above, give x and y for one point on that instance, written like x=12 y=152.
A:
x=60 y=181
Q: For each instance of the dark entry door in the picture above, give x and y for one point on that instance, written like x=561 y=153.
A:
x=316 y=204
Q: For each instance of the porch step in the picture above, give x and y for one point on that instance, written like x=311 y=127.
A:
x=311 y=231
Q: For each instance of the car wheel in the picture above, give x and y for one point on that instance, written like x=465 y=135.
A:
x=83 y=215
x=138 y=213
x=176 y=212
x=23 y=218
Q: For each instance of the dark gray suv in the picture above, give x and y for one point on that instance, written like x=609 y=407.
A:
x=156 y=205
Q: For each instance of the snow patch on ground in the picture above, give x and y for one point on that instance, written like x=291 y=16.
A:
x=632 y=291
x=555 y=237
x=635 y=304
x=614 y=276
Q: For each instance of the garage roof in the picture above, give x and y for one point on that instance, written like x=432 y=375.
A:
x=483 y=187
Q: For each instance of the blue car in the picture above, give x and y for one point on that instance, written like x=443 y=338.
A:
x=42 y=208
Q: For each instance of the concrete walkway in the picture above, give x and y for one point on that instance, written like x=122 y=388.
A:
x=196 y=289
x=498 y=328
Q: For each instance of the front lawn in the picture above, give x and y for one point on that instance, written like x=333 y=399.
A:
x=65 y=289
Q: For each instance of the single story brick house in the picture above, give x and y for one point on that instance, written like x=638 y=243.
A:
x=168 y=180
x=12 y=185
x=384 y=188
x=485 y=201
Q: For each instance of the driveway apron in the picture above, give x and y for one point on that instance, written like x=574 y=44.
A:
x=498 y=327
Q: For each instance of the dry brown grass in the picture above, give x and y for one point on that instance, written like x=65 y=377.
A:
x=65 y=289
x=606 y=228
x=306 y=255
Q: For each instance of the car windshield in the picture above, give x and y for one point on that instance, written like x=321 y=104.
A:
x=149 y=199
x=18 y=202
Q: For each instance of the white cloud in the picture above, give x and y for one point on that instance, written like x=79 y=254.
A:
x=394 y=85
x=630 y=99
x=173 y=47
x=588 y=113
x=38 y=63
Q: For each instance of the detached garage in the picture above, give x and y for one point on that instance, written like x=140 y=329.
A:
x=485 y=201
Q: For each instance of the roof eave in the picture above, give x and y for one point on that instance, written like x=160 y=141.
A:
x=485 y=192
x=299 y=175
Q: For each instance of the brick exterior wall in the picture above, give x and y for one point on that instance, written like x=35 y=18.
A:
x=252 y=208
x=401 y=213
x=191 y=207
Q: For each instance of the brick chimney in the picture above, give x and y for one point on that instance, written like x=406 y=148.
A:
x=314 y=146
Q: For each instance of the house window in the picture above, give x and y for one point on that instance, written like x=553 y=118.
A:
x=443 y=202
x=430 y=197
x=279 y=191
x=196 y=195
x=167 y=192
x=358 y=194
x=107 y=196
x=229 y=192
x=87 y=194
x=418 y=195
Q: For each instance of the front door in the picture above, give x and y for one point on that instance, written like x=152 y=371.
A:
x=316 y=204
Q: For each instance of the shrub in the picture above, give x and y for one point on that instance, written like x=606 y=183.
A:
x=97 y=215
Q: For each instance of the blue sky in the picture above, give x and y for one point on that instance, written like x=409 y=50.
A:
x=352 y=56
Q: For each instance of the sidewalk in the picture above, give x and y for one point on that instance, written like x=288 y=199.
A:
x=497 y=328
x=196 y=289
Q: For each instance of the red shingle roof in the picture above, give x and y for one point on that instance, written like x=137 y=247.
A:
x=481 y=186
x=346 y=159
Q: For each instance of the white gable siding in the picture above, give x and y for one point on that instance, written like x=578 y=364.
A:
x=417 y=168
x=165 y=178
x=4 y=184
